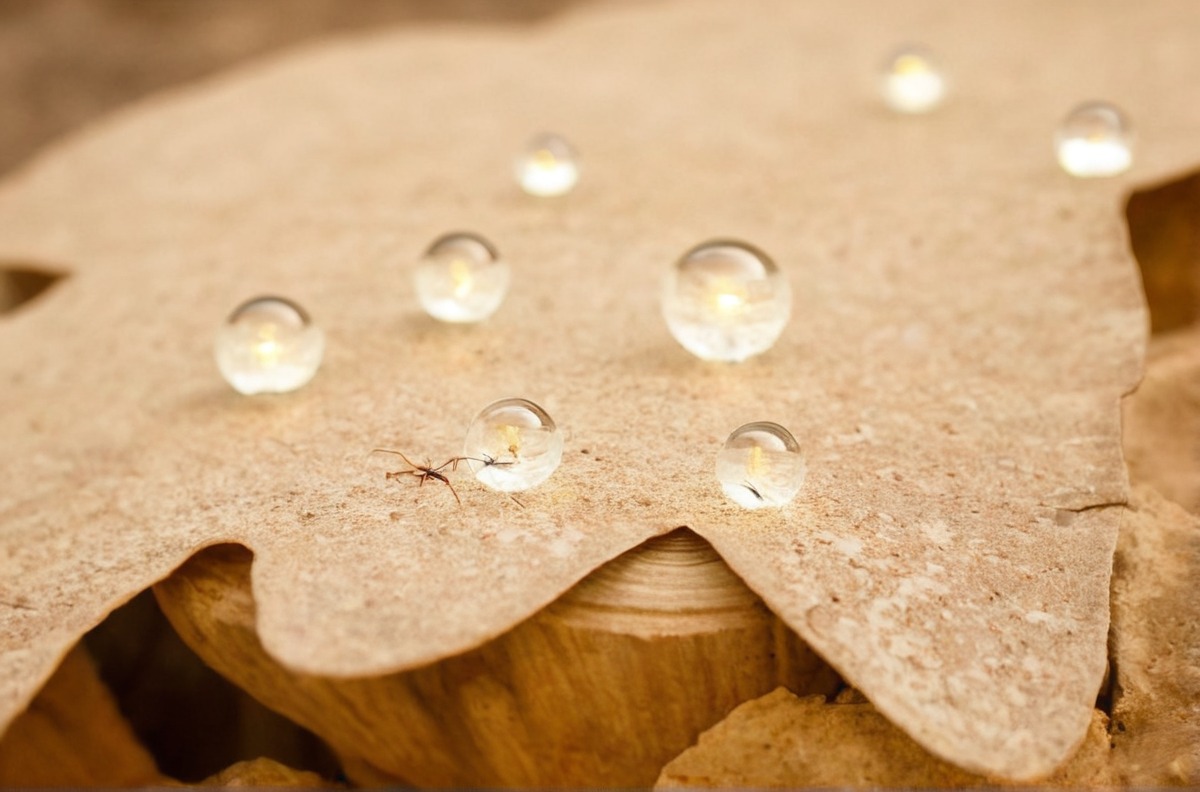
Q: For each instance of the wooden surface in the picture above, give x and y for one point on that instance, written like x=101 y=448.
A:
x=602 y=688
x=967 y=320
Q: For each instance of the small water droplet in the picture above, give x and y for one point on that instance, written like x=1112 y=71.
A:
x=1094 y=140
x=461 y=278
x=912 y=82
x=547 y=166
x=761 y=465
x=726 y=300
x=513 y=445
x=269 y=345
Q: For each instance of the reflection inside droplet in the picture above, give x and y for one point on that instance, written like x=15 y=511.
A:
x=761 y=465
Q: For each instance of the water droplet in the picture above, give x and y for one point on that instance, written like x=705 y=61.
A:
x=513 y=445
x=761 y=465
x=912 y=82
x=269 y=345
x=1095 y=139
x=726 y=300
x=547 y=166
x=461 y=278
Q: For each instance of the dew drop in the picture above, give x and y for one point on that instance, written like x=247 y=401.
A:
x=269 y=345
x=513 y=445
x=461 y=278
x=912 y=82
x=726 y=300
x=1094 y=140
x=761 y=465
x=547 y=166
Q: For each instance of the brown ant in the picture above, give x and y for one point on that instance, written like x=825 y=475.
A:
x=427 y=471
x=424 y=472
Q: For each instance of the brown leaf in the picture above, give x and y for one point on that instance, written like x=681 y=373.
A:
x=780 y=740
x=967 y=318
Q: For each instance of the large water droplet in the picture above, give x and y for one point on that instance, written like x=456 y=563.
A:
x=461 y=278
x=1094 y=140
x=513 y=445
x=761 y=465
x=269 y=345
x=726 y=300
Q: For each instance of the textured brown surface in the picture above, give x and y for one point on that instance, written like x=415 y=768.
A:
x=967 y=318
x=780 y=740
x=1156 y=644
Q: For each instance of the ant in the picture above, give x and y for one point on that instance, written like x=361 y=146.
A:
x=488 y=460
x=427 y=471
x=424 y=472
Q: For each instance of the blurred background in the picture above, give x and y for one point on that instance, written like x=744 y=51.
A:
x=65 y=62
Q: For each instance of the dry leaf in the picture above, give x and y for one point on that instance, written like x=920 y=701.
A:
x=780 y=740
x=967 y=318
